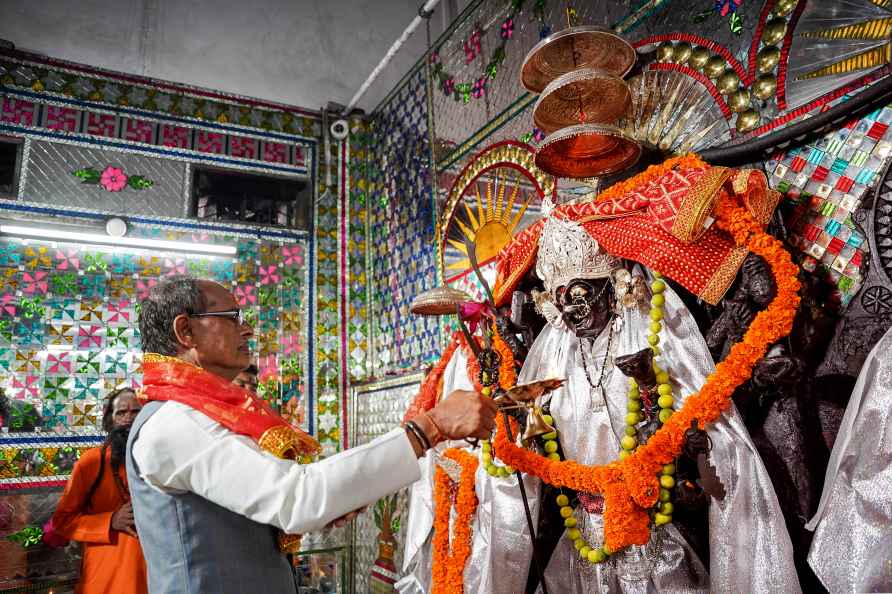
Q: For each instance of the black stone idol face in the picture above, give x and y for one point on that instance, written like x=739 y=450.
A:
x=586 y=305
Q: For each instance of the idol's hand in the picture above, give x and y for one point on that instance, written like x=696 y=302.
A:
x=464 y=414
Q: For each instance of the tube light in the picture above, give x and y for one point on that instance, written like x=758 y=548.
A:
x=139 y=242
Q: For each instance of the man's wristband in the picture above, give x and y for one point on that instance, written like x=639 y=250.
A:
x=419 y=434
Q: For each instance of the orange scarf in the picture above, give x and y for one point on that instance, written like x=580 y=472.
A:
x=168 y=378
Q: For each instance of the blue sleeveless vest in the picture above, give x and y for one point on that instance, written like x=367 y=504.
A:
x=194 y=546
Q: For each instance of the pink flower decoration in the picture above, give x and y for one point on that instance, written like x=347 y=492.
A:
x=58 y=363
x=292 y=256
x=291 y=344
x=449 y=86
x=479 y=88
x=30 y=387
x=66 y=259
x=245 y=294
x=35 y=283
x=175 y=266
x=119 y=312
x=7 y=304
x=268 y=275
x=113 y=179
x=508 y=28
x=89 y=337
x=143 y=287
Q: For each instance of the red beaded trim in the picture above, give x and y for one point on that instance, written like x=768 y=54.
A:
x=701 y=78
x=781 y=92
x=757 y=37
x=707 y=43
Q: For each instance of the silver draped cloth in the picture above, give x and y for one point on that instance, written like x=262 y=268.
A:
x=501 y=549
x=852 y=547
x=750 y=550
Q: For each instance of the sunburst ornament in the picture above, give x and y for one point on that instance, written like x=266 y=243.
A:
x=490 y=223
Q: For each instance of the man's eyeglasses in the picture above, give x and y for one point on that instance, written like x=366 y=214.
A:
x=235 y=315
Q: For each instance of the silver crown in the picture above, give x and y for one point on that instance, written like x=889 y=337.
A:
x=567 y=251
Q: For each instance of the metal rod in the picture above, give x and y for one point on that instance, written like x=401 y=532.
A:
x=401 y=40
x=526 y=509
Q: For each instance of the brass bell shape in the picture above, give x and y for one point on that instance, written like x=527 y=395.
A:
x=699 y=57
x=774 y=31
x=536 y=425
x=727 y=82
x=739 y=100
x=767 y=59
x=665 y=52
x=747 y=120
x=784 y=7
x=714 y=67
x=682 y=52
x=765 y=86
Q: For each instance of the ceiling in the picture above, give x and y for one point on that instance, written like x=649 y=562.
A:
x=303 y=53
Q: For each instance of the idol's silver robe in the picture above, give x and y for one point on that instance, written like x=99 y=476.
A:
x=501 y=548
x=750 y=550
x=852 y=548
x=749 y=546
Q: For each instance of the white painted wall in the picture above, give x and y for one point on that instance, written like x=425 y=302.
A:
x=300 y=52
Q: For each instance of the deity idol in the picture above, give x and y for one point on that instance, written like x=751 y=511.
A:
x=591 y=333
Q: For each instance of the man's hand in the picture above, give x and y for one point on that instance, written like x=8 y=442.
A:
x=122 y=520
x=465 y=414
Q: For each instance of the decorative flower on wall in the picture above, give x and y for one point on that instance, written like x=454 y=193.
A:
x=112 y=179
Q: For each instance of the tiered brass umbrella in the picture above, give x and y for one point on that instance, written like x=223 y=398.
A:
x=579 y=73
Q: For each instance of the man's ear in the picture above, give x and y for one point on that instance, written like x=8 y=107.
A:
x=182 y=331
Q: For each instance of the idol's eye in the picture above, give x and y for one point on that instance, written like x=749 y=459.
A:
x=578 y=292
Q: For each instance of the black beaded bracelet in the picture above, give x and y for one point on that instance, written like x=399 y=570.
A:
x=419 y=434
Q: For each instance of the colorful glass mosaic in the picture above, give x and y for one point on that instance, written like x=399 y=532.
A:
x=825 y=183
x=328 y=387
x=62 y=80
x=69 y=327
x=401 y=240
x=358 y=342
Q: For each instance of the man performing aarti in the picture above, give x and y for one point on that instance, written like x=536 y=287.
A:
x=600 y=329
x=221 y=485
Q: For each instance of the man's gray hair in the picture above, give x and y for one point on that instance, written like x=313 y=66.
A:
x=173 y=296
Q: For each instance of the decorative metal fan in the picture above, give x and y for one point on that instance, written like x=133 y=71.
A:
x=673 y=113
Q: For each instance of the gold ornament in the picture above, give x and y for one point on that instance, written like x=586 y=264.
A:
x=774 y=31
x=682 y=52
x=767 y=59
x=784 y=7
x=536 y=425
x=739 y=100
x=714 y=67
x=765 y=86
x=699 y=57
x=747 y=120
x=727 y=82
x=665 y=52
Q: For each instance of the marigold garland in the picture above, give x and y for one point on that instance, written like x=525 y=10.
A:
x=450 y=559
x=432 y=385
x=630 y=487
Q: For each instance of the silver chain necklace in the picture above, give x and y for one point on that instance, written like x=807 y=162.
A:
x=585 y=346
